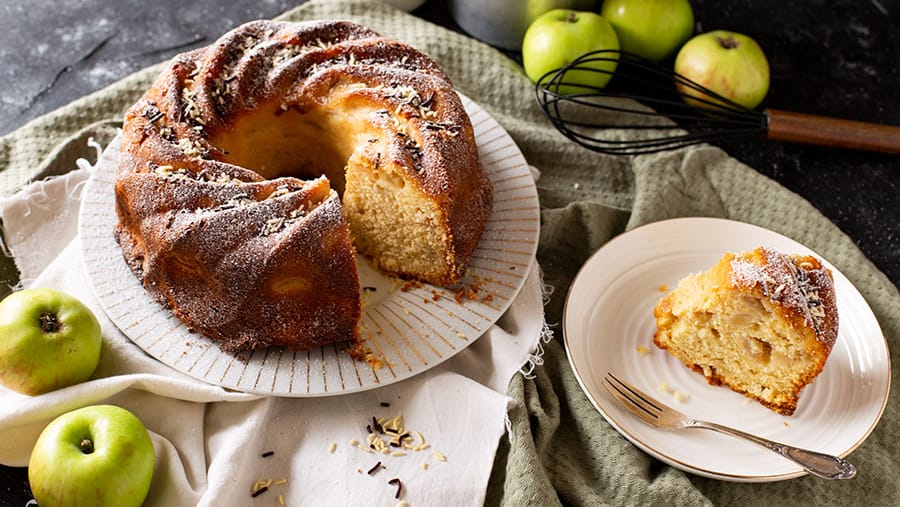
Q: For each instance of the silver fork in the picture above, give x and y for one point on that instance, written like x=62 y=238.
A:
x=664 y=417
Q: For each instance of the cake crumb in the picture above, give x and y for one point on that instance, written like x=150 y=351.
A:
x=359 y=352
x=642 y=350
x=663 y=288
x=409 y=285
x=681 y=397
x=664 y=387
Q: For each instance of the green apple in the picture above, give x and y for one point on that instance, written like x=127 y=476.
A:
x=48 y=340
x=535 y=8
x=653 y=29
x=558 y=37
x=99 y=455
x=728 y=63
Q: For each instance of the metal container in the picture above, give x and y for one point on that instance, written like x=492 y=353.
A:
x=502 y=23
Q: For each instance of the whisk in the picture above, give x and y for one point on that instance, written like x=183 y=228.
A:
x=642 y=111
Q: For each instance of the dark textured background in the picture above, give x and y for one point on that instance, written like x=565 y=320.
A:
x=839 y=58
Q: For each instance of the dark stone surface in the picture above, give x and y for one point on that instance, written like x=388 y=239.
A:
x=839 y=59
x=52 y=52
x=836 y=59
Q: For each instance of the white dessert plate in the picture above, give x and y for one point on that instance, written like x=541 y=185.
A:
x=407 y=331
x=609 y=324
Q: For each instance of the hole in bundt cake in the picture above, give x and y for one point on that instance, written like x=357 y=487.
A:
x=275 y=144
x=390 y=221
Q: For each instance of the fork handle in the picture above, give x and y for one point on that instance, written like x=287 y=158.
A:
x=816 y=463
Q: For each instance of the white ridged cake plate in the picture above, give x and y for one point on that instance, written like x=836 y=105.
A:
x=608 y=325
x=407 y=331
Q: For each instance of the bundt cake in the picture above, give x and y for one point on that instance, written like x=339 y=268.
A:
x=253 y=169
x=762 y=323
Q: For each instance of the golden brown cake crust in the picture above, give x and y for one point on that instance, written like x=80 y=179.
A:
x=799 y=284
x=254 y=259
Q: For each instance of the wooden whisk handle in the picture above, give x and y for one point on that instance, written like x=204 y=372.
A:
x=832 y=132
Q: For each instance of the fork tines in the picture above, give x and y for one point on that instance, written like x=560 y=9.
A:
x=632 y=396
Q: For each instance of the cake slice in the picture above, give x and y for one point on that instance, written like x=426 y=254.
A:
x=762 y=323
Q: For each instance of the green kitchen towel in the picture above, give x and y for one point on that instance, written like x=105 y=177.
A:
x=560 y=450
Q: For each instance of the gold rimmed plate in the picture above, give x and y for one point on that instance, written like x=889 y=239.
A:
x=408 y=331
x=608 y=325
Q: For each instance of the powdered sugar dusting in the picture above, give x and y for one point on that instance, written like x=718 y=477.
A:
x=800 y=284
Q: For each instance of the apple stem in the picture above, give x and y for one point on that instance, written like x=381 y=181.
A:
x=86 y=446
x=571 y=18
x=728 y=42
x=48 y=322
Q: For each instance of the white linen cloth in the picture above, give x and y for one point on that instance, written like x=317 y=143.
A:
x=210 y=441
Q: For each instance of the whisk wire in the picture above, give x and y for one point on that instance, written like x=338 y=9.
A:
x=640 y=96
